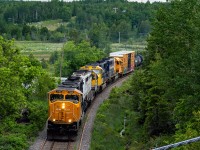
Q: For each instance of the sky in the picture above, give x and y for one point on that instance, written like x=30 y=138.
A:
x=144 y=1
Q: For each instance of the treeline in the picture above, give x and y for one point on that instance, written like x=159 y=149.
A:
x=100 y=22
x=74 y=56
x=163 y=105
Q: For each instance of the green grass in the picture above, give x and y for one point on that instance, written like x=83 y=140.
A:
x=38 y=49
x=134 y=46
x=109 y=122
x=43 y=49
x=52 y=25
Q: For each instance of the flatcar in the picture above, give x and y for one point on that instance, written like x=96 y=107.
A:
x=70 y=100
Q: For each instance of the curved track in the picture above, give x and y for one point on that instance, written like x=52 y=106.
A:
x=82 y=140
x=85 y=138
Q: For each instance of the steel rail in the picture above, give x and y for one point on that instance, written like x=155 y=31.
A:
x=43 y=144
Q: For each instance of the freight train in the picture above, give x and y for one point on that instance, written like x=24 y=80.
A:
x=70 y=100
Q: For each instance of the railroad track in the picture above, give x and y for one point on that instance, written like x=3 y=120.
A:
x=56 y=145
x=82 y=140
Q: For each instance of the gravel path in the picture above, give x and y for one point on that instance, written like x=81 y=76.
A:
x=39 y=140
x=85 y=139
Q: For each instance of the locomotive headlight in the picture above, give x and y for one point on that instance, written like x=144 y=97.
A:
x=63 y=105
x=54 y=119
x=70 y=120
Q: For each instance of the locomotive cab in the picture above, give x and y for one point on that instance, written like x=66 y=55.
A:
x=97 y=76
x=65 y=112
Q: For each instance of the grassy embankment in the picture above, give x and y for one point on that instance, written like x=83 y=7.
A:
x=109 y=123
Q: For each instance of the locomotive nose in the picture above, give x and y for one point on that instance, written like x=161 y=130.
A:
x=63 y=112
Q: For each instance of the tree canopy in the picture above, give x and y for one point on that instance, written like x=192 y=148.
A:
x=99 y=21
x=166 y=91
x=74 y=56
x=21 y=79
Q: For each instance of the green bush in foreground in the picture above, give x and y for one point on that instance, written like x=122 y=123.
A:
x=15 y=136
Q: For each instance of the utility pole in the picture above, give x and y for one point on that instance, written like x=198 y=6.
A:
x=123 y=130
x=36 y=14
x=61 y=61
x=115 y=8
x=119 y=37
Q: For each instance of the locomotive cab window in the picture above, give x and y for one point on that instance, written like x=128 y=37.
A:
x=54 y=97
x=94 y=76
x=96 y=71
x=73 y=98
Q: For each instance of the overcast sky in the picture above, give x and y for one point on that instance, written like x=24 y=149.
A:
x=144 y=1
x=147 y=0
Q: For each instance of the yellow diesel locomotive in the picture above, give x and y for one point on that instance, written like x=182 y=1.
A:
x=69 y=101
x=67 y=104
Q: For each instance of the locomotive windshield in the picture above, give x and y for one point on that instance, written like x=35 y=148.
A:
x=96 y=71
x=73 y=98
x=54 y=97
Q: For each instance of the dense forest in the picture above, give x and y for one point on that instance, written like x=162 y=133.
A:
x=99 y=22
x=160 y=101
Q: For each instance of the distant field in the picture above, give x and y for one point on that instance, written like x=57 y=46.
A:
x=43 y=50
x=135 y=46
x=50 y=24
x=38 y=49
